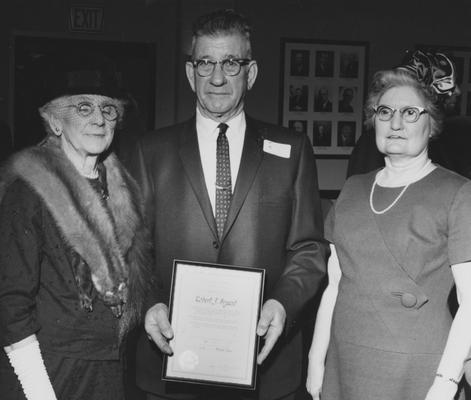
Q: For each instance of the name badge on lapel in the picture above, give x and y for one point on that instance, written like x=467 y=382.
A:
x=277 y=149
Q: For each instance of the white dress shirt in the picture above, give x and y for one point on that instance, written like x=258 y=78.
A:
x=207 y=132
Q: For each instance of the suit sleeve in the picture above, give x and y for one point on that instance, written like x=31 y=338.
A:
x=140 y=167
x=306 y=249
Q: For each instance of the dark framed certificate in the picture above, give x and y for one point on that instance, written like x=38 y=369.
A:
x=214 y=310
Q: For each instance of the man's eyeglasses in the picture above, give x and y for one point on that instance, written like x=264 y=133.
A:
x=230 y=66
x=408 y=113
x=85 y=109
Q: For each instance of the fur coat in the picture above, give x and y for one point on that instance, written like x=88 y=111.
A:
x=109 y=236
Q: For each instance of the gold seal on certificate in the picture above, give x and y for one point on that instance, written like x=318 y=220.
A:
x=188 y=360
x=214 y=310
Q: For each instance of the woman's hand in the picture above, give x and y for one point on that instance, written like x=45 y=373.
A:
x=315 y=376
x=442 y=389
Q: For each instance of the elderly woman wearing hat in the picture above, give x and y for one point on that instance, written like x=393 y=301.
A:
x=400 y=242
x=74 y=269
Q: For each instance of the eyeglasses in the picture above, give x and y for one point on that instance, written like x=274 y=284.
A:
x=230 y=66
x=408 y=113
x=85 y=109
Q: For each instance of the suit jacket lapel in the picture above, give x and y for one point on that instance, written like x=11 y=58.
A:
x=252 y=156
x=190 y=157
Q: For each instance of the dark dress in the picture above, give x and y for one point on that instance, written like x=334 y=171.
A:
x=391 y=318
x=38 y=295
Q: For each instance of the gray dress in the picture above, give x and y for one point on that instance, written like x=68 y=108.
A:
x=391 y=318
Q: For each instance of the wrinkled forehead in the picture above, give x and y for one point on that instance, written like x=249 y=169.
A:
x=225 y=44
x=403 y=95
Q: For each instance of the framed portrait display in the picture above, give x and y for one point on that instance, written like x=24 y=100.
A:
x=461 y=56
x=214 y=311
x=323 y=91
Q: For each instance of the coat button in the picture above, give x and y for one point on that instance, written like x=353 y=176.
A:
x=216 y=244
x=408 y=300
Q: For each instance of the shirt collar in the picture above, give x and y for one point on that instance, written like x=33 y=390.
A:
x=207 y=126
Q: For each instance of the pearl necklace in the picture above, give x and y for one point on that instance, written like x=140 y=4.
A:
x=388 y=207
x=428 y=164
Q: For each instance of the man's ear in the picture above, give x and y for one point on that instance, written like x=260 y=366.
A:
x=190 y=74
x=252 y=74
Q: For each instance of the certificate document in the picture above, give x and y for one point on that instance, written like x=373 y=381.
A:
x=214 y=310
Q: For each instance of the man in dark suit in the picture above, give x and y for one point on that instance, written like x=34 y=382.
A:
x=298 y=99
x=345 y=103
x=322 y=102
x=324 y=63
x=274 y=219
x=299 y=62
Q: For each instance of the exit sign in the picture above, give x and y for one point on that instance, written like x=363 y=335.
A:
x=86 y=19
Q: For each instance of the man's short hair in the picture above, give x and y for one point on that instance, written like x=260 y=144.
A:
x=222 y=22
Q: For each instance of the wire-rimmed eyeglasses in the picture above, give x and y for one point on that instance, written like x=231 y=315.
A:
x=230 y=66
x=408 y=113
x=85 y=109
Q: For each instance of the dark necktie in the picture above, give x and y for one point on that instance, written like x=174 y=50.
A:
x=223 y=179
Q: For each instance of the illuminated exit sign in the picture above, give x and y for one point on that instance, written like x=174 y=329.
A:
x=86 y=19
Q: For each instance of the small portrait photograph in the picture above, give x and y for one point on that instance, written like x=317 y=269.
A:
x=324 y=63
x=348 y=65
x=298 y=97
x=346 y=133
x=299 y=63
x=322 y=133
x=347 y=99
x=322 y=100
x=298 y=125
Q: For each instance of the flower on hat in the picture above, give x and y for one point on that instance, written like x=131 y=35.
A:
x=432 y=69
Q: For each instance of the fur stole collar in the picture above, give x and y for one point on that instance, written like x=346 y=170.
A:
x=110 y=237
